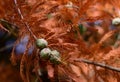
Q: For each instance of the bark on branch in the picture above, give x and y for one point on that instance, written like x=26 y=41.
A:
x=98 y=64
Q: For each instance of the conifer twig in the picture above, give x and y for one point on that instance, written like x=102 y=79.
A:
x=98 y=64
x=24 y=22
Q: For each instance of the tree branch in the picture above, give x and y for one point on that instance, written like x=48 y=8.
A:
x=98 y=64
x=22 y=17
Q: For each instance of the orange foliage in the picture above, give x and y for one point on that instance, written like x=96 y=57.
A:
x=57 y=23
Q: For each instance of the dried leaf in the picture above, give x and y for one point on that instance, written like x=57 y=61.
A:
x=50 y=70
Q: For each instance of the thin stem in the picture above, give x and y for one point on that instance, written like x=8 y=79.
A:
x=6 y=47
x=22 y=17
x=18 y=9
x=98 y=64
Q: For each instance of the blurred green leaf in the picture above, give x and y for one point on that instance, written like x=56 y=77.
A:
x=82 y=29
x=10 y=27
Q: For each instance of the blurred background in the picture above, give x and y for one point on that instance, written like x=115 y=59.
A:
x=8 y=72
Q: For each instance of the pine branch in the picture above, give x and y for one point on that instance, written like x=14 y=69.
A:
x=24 y=22
x=98 y=64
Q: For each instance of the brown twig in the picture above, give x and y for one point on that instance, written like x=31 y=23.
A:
x=24 y=22
x=98 y=64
